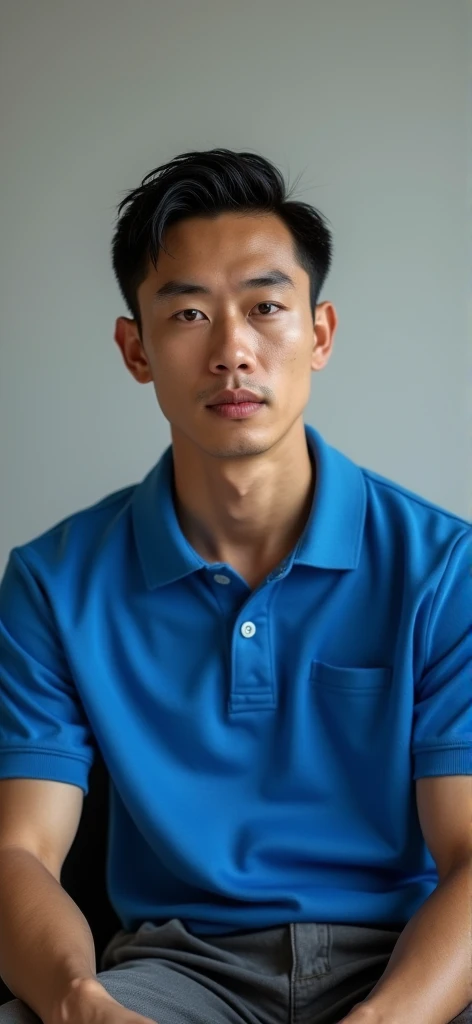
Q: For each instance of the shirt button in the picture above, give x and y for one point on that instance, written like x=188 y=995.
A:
x=248 y=629
x=221 y=579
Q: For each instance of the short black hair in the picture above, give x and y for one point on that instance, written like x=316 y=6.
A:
x=207 y=183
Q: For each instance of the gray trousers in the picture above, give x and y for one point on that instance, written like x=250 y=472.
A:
x=295 y=974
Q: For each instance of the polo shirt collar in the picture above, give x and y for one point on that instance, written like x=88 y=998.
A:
x=332 y=537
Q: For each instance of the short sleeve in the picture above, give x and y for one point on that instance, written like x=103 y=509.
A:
x=442 y=728
x=44 y=733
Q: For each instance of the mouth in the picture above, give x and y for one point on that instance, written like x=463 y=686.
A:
x=236 y=410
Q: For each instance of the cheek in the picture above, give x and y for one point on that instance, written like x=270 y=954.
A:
x=298 y=339
x=174 y=374
x=294 y=356
x=161 y=364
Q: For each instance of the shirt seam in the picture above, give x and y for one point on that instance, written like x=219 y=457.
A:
x=45 y=750
x=436 y=600
x=424 y=747
x=95 y=507
x=393 y=486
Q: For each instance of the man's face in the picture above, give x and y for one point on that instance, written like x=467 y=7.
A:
x=232 y=335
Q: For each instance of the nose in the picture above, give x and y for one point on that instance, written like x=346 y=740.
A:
x=232 y=349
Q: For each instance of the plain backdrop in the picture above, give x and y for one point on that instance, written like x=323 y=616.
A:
x=367 y=99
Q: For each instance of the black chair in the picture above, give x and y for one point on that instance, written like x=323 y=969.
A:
x=84 y=870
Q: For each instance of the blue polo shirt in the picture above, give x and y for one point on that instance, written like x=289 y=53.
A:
x=262 y=745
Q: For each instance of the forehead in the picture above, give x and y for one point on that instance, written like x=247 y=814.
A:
x=227 y=246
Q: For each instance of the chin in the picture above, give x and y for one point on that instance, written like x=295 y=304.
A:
x=237 y=448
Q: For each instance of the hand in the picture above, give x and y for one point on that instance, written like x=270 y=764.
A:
x=90 y=1003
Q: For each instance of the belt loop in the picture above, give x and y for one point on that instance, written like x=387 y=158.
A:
x=312 y=947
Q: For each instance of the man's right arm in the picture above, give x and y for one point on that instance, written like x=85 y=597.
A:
x=47 y=950
x=47 y=954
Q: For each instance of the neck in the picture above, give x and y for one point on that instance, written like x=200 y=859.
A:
x=244 y=511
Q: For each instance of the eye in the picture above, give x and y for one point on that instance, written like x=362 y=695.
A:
x=193 y=320
x=177 y=315
x=274 y=304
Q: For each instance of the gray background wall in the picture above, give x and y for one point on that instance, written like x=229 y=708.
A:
x=367 y=98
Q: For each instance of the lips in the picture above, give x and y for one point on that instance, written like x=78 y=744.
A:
x=236 y=410
x=235 y=397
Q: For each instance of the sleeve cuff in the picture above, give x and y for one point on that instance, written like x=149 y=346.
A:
x=45 y=764
x=443 y=761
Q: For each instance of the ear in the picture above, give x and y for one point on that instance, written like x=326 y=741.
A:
x=131 y=347
x=326 y=321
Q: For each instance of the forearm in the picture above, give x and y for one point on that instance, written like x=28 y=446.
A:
x=45 y=940
x=428 y=978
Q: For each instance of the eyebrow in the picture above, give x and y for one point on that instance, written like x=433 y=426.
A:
x=268 y=278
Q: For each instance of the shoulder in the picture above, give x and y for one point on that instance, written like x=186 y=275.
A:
x=412 y=519
x=83 y=535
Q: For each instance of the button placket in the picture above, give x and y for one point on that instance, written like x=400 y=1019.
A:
x=252 y=683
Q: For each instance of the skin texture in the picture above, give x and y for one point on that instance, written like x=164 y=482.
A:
x=243 y=488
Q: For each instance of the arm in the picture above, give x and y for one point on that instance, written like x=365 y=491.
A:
x=46 y=749
x=46 y=945
x=428 y=978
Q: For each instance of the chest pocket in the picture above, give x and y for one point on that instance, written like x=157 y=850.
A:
x=350 y=680
x=354 y=715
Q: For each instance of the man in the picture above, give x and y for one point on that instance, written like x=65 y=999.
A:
x=270 y=647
